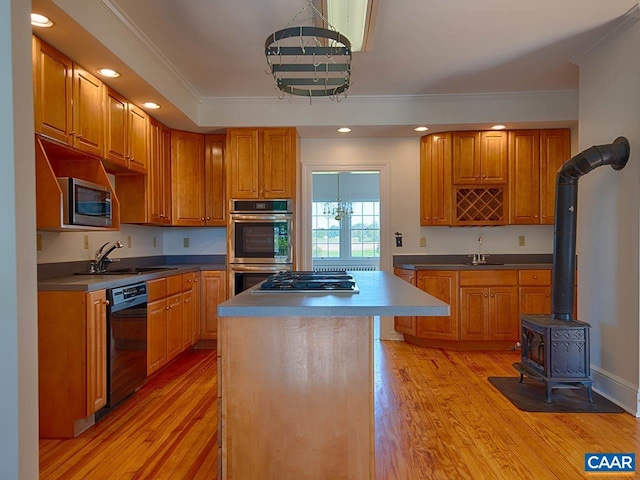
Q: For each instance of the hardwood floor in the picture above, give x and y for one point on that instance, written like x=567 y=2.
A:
x=437 y=416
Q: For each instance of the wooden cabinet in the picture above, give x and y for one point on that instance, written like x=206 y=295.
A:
x=187 y=178
x=261 y=163
x=489 y=305
x=215 y=204
x=534 y=159
x=479 y=158
x=213 y=292
x=72 y=361
x=535 y=292
x=555 y=149
x=68 y=101
x=171 y=311
x=444 y=286
x=125 y=134
x=435 y=179
x=159 y=175
x=405 y=324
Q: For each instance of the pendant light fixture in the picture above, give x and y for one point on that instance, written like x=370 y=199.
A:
x=309 y=60
x=339 y=209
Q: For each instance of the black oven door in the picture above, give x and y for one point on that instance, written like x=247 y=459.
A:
x=261 y=239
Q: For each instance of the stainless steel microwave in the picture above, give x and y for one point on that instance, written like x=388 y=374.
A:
x=85 y=203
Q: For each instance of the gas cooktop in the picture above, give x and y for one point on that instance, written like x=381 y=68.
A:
x=306 y=281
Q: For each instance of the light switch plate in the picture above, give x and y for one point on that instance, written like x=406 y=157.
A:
x=423 y=242
x=128 y=241
x=521 y=241
x=85 y=242
x=185 y=242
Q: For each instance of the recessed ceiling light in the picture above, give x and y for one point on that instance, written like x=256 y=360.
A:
x=151 y=105
x=108 y=72
x=344 y=129
x=421 y=129
x=498 y=127
x=38 y=20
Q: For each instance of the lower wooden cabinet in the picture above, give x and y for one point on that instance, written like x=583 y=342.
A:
x=72 y=361
x=214 y=291
x=486 y=305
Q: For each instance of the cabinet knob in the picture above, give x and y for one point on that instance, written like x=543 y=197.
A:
x=253 y=189
x=202 y=219
x=72 y=133
x=535 y=216
x=127 y=157
x=535 y=277
x=107 y=302
x=427 y=218
x=484 y=176
x=79 y=137
x=266 y=189
x=208 y=218
x=435 y=218
x=167 y=308
x=485 y=294
x=492 y=294
x=477 y=176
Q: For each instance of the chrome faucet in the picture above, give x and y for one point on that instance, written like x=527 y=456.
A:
x=478 y=258
x=99 y=265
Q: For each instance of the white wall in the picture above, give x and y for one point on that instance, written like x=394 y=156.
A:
x=608 y=218
x=18 y=328
x=69 y=246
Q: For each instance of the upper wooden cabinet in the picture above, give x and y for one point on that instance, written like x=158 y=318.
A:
x=125 y=133
x=479 y=158
x=159 y=177
x=68 y=101
x=215 y=187
x=261 y=162
x=435 y=179
x=534 y=159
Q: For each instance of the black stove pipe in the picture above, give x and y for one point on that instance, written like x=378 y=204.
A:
x=615 y=154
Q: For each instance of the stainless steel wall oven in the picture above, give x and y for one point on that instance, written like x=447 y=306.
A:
x=260 y=241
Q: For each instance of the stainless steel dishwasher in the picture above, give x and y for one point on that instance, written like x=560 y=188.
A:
x=126 y=343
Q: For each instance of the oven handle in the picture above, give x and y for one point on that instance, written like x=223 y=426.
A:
x=278 y=267
x=243 y=217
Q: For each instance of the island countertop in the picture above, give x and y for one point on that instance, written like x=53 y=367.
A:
x=381 y=293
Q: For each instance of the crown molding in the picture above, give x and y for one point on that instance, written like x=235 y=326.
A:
x=618 y=26
x=129 y=26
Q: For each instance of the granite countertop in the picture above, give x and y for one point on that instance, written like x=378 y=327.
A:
x=381 y=293
x=90 y=283
x=463 y=262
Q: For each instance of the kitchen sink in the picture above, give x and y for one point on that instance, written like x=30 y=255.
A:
x=130 y=271
x=484 y=264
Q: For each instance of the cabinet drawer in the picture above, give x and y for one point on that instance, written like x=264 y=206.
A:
x=535 y=277
x=174 y=284
x=187 y=281
x=156 y=289
x=489 y=277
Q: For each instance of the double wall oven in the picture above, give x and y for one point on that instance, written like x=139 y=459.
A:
x=260 y=241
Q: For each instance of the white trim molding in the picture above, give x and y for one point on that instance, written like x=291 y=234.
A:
x=617 y=390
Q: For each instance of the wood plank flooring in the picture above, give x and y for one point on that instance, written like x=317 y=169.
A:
x=437 y=417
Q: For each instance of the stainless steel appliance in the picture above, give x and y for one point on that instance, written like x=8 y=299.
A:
x=85 y=203
x=126 y=343
x=260 y=241
x=306 y=281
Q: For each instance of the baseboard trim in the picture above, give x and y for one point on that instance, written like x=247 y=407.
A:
x=617 y=390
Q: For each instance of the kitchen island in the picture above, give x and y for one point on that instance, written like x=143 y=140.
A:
x=296 y=378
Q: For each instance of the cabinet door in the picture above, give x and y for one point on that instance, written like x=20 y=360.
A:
x=52 y=93
x=444 y=286
x=405 y=324
x=435 y=180
x=137 y=138
x=96 y=351
x=555 y=149
x=116 y=128
x=524 y=177
x=214 y=291
x=159 y=174
x=187 y=319
x=426 y=182
x=466 y=158
x=493 y=157
x=174 y=326
x=474 y=313
x=535 y=300
x=214 y=188
x=156 y=335
x=278 y=164
x=88 y=116
x=195 y=328
x=503 y=313
x=187 y=178
x=242 y=163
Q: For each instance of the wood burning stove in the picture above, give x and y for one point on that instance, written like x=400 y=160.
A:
x=555 y=348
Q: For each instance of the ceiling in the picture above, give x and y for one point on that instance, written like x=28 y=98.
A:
x=215 y=49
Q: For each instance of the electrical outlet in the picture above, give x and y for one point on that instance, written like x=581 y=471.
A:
x=39 y=241
x=521 y=241
x=423 y=242
x=128 y=241
x=85 y=242
x=154 y=242
x=185 y=242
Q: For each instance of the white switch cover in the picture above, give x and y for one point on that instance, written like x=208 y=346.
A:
x=423 y=241
x=521 y=241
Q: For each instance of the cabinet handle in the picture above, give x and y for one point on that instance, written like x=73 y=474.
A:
x=208 y=218
x=535 y=216
x=435 y=218
x=535 y=277
x=107 y=302
x=485 y=294
x=202 y=219
x=427 y=218
x=491 y=295
x=253 y=189
x=127 y=157
x=79 y=137
x=167 y=308
x=477 y=176
x=266 y=189
x=72 y=133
